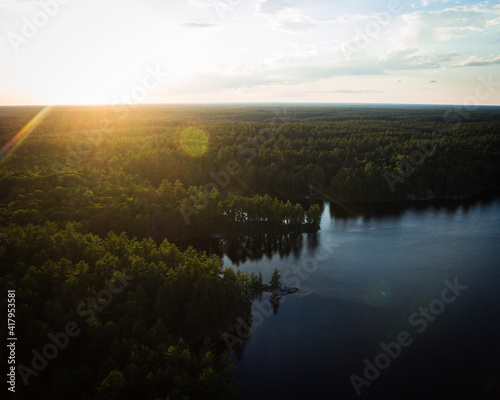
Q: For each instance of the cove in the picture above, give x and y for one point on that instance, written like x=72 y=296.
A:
x=361 y=278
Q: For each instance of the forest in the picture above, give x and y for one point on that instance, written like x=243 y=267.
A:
x=94 y=198
x=146 y=317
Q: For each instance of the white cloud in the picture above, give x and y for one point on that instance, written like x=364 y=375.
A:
x=410 y=59
x=297 y=69
x=288 y=16
x=452 y=23
x=475 y=61
x=211 y=12
x=425 y=3
x=278 y=6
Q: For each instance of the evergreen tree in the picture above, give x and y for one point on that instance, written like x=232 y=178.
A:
x=275 y=280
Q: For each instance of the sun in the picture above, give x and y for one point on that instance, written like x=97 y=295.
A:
x=102 y=56
x=96 y=52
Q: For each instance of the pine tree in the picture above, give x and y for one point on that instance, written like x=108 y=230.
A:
x=260 y=279
x=275 y=279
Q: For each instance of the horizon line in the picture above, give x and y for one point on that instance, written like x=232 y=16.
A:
x=133 y=105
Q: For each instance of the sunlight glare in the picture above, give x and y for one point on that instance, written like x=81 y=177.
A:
x=194 y=141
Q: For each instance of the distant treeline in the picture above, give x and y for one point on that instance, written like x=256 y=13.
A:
x=129 y=176
x=359 y=154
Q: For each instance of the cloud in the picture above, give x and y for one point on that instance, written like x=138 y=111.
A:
x=278 y=6
x=282 y=75
x=409 y=58
x=289 y=15
x=311 y=67
x=475 y=61
x=198 y=25
x=213 y=10
x=451 y=23
x=295 y=26
x=425 y=3
x=286 y=15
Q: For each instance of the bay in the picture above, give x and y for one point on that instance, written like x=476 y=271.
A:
x=368 y=276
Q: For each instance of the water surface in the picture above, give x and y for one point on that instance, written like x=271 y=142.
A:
x=361 y=278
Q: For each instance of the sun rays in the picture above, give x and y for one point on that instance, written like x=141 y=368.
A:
x=9 y=148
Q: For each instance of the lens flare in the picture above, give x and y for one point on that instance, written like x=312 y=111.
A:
x=23 y=134
x=377 y=293
x=194 y=141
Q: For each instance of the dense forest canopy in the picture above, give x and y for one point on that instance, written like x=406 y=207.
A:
x=345 y=153
x=94 y=196
x=138 y=312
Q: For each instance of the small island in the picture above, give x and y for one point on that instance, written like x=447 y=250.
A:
x=275 y=287
x=281 y=291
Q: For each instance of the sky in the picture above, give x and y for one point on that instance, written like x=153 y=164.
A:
x=219 y=51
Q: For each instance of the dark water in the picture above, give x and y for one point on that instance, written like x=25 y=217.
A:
x=361 y=278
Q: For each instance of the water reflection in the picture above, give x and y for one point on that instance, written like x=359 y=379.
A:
x=240 y=334
x=364 y=293
x=275 y=302
x=242 y=249
x=378 y=211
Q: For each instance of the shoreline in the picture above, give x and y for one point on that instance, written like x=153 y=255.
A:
x=408 y=202
x=409 y=198
x=218 y=236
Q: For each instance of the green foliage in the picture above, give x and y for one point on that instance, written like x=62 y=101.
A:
x=136 y=176
x=113 y=386
x=146 y=338
x=275 y=282
x=149 y=178
x=256 y=282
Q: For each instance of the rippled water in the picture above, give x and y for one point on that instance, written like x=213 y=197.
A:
x=361 y=278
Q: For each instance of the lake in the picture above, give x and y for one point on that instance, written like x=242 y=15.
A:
x=396 y=301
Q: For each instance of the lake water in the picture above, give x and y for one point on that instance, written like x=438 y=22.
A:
x=362 y=278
